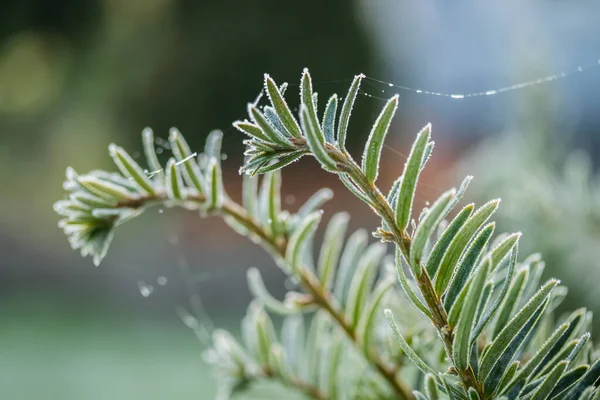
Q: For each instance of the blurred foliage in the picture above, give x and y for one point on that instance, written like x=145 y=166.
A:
x=161 y=63
x=549 y=192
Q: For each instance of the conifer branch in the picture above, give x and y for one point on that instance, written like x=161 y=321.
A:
x=487 y=309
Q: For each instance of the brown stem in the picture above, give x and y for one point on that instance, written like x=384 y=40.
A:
x=277 y=246
x=302 y=386
x=403 y=241
x=324 y=298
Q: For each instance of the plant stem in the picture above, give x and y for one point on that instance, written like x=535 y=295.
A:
x=321 y=295
x=300 y=385
x=277 y=247
x=324 y=298
x=403 y=240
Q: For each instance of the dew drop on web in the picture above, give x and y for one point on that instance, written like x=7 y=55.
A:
x=145 y=289
x=162 y=280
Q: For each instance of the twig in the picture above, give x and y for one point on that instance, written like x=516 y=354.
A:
x=403 y=240
x=278 y=246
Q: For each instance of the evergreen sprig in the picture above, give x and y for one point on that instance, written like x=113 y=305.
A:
x=490 y=332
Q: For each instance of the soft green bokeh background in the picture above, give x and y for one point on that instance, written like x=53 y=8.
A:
x=77 y=75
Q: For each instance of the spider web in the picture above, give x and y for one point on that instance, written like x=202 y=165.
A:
x=381 y=85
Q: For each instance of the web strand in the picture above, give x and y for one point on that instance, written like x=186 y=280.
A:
x=198 y=320
x=490 y=92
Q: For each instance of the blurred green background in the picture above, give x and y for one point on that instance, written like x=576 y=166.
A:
x=77 y=75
